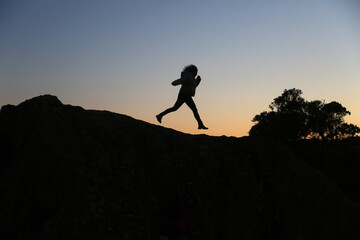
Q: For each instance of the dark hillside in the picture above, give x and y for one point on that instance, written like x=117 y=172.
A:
x=70 y=173
x=339 y=160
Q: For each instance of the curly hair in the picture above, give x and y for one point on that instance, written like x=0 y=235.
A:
x=191 y=68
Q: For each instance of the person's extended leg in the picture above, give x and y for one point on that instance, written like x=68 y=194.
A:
x=190 y=102
x=180 y=100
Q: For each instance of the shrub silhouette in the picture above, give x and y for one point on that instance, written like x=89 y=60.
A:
x=292 y=118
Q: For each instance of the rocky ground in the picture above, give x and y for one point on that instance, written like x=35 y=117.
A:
x=70 y=173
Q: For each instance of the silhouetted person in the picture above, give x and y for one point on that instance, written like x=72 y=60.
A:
x=187 y=91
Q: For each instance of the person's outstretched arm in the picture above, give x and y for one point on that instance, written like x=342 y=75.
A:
x=177 y=82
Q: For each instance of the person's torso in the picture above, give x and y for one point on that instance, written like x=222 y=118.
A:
x=188 y=85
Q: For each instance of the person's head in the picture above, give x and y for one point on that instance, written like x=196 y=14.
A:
x=191 y=69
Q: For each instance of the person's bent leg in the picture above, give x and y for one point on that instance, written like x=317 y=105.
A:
x=180 y=100
x=190 y=102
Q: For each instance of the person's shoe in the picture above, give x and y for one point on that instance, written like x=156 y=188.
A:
x=203 y=127
x=158 y=117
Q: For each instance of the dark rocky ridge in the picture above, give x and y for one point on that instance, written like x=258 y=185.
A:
x=70 y=173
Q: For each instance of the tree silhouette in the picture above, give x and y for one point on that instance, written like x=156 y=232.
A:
x=292 y=118
x=326 y=121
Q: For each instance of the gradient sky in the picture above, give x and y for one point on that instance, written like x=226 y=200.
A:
x=121 y=56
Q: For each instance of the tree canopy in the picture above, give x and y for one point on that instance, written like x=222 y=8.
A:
x=292 y=117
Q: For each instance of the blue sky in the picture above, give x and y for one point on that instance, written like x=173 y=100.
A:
x=121 y=56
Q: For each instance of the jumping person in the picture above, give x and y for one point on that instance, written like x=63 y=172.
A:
x=187 y=91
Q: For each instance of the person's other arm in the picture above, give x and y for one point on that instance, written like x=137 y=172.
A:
x=197 y=80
